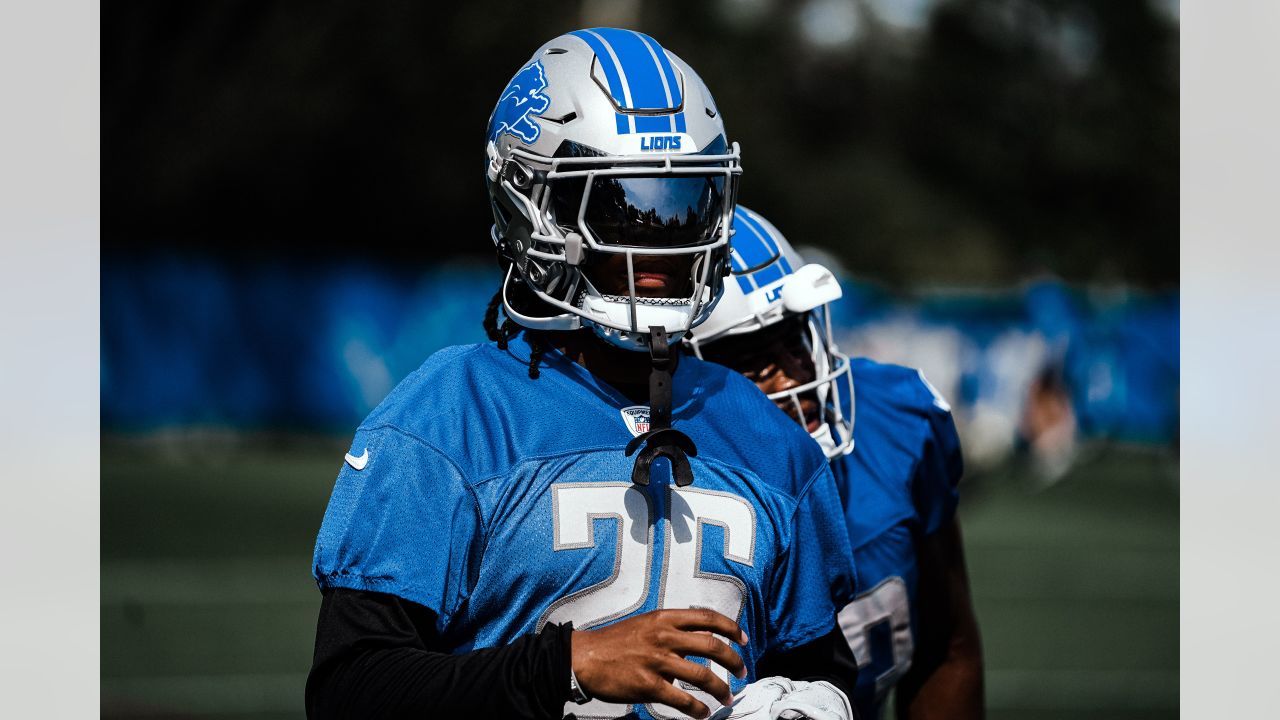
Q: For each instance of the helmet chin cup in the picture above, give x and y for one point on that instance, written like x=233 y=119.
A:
x=636 y=342
x=611 y=318
x=825 y=440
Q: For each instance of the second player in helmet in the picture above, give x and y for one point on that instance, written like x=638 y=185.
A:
x=912 y=626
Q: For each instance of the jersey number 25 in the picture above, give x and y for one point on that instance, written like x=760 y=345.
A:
x=576 y=507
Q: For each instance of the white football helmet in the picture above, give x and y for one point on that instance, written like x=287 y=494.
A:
x=604 y=145
x=770 y=283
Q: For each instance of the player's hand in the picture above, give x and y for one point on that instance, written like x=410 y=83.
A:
x=636 y=660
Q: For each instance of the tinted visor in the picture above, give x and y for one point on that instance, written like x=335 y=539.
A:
x=668 y=211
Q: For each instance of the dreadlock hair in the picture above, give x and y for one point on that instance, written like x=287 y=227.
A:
x=491 y=321
x=536 y=349
x=509 y=329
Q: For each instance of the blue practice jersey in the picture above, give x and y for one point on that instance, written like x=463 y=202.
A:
x=900 y=486
x=503 y=503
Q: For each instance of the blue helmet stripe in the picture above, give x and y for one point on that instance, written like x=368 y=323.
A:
x=604 y=56
x=640 y=73
x=768 y=274
x=653 y=123
x=625 y=82
x=752 y=246
x=669 y=85
x=786 y=266
x=672 y=82
x=752 y=221
x=744 y=283
x=680 y=121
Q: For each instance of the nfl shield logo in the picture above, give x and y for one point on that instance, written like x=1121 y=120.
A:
x=637 y=419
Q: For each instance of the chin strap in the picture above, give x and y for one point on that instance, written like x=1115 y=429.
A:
x=662 y=440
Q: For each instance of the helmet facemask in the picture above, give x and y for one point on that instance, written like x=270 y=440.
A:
x=832 y=382
x=569 y=215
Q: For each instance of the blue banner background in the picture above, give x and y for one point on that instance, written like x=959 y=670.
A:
x=195 y=342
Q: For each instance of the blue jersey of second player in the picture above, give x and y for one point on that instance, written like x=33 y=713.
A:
x=503 y=503
x=900 y=486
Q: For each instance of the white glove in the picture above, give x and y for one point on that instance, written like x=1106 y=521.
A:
x=812 y=701
x=756 y=700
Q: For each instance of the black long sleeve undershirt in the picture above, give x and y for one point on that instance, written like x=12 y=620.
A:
x=379 y=656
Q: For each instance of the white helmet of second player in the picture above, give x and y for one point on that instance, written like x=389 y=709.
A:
x=769 y=284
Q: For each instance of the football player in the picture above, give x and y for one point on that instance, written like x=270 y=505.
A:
x=912 y=626
x=571 y=518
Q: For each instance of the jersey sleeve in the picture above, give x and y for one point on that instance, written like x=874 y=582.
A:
x=406 y=523
x=935 y=487
x=816 y=575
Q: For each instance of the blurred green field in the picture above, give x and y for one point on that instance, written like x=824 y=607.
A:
x=208 y=607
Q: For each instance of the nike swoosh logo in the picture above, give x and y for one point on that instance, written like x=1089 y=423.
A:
x=358 y=462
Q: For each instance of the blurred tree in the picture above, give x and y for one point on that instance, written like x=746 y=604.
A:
x=970 y=141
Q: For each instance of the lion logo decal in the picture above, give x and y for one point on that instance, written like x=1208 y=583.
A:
x=522 y=98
